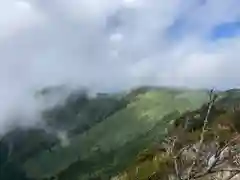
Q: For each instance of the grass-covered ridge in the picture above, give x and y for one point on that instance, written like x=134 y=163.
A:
x=221 y=134
x=105 y=146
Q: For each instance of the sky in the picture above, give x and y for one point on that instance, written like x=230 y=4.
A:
x=110 y=45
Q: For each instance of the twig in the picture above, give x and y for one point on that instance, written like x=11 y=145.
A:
x=233 y=175
x=212 y=99
x=177 y=170
x=235 y=170
x=218 y=153
x=175 y=159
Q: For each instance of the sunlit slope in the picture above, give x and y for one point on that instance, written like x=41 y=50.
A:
x=223 y=121
x=140 y=116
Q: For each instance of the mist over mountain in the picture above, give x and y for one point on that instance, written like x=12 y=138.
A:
x=112 y=46
x=87 y=84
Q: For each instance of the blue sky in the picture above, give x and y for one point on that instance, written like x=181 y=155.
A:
x=226 y=30
x=115 y=44
x=223 y=30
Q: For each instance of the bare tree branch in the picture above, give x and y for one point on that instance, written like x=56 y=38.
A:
x=232 y=175
x=219 y=152
x=212 y=99
x=197 y=168
x=235 y=170
x=210 y=169
x=177 y=170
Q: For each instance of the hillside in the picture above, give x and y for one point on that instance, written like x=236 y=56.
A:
x=187 y=140
x=121 y=130
x=105 y=133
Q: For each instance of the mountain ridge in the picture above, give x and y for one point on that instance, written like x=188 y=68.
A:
x=140 y=118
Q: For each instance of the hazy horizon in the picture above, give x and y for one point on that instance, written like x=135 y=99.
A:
x=112 y=45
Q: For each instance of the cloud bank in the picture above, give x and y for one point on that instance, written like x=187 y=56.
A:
x=109 y=45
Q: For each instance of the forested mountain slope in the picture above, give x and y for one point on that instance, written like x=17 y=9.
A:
x=94 y=149
x=103 y=134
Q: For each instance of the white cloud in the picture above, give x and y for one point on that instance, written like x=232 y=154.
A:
x=117 y=37
x=111 y=45
x=17 y=16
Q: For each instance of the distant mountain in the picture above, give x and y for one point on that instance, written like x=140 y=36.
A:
x=105 y=132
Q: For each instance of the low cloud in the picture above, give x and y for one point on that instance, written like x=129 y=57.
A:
x=111 y=45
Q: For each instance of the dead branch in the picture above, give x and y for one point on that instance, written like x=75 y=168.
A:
x=210 y=169
x=200 y=175
x=212 y=99
x=232 y=175
x=175 y=161
x=217 y=154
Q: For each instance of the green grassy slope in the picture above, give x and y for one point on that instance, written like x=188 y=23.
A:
x=222 y=122
x=128 y=130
